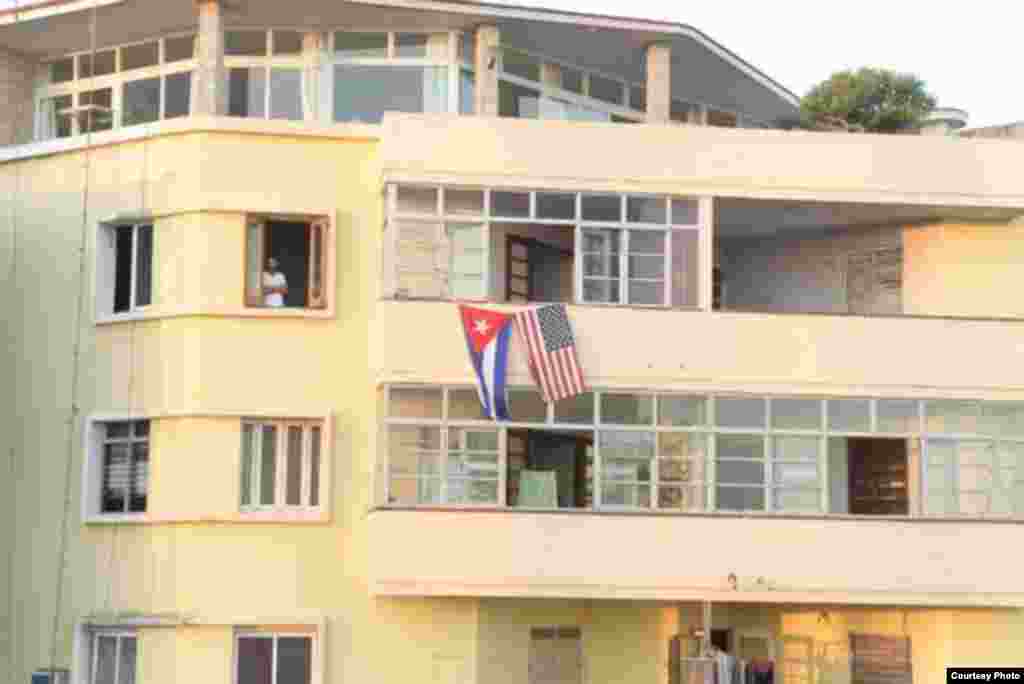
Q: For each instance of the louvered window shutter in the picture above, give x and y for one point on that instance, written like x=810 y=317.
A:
x=421 y=260
x=880 y=659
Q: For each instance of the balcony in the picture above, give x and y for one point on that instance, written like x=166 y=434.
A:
x=672 y=558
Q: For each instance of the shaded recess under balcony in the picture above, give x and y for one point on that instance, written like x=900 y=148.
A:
x=867 y=259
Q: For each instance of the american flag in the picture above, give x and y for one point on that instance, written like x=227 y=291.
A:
x=547 y=336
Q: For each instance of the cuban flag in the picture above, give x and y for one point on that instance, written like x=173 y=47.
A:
x=487 y=338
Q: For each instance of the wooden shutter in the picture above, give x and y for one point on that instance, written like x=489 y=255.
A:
x=318 y=250
x=255 y=237
x=421 y=260
x=880 y=659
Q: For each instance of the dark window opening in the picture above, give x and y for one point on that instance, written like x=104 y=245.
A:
x=880 y=660
x=537 y=271
x=286 y=262
x=289 y=244
x=133 y=267
x=550 y=469
x=869 y=476
x=123 y=239
x=125 y=482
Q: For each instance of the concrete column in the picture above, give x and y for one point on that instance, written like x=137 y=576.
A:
x=486 y=95
x=312 y=95
x=16 y=85
x=659 y=82
x=210 y=89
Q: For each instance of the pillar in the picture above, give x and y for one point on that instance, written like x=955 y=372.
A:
x=16 y=116
x=486 y=95
x=210 y=89
x=311 y=80
x=659 y=82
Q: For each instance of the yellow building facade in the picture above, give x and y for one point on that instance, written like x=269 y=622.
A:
x=201 y=486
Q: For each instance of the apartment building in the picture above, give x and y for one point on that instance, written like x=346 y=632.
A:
x=803 y=443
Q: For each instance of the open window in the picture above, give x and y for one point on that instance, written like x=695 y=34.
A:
x=869 y=476
x=124 y=268
x=116 y=470
x=286 y=263
x=550 y=468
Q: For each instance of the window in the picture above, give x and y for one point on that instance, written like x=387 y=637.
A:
x=124 y=86
x=286 y=263
x=249 y=95
x=125 y=467
x=543 y=246
x=464 y=470
x=274 y=658
x=114 y=656
x=133 y=267
x=974 y=477
x=281 y=464
x=373 y=73
x=878 y=659
x=51 y=676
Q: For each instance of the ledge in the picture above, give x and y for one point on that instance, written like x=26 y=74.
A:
x=222 y=312
x=241 y=517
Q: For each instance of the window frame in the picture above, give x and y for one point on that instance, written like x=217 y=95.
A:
x=279 y=508
x=94 y=440
x=120 y=635
x=315 y=633
x=440 y=216
x=268 y=62
x=319 y=300
x=115 y=81
x=106 y=270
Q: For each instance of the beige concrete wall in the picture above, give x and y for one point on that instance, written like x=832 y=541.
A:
x=705 y=160
x=927 y=562
x=963 y=270
x=817 y=355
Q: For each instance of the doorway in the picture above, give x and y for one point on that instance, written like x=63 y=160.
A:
x=549 y=469
x=556 y=655
x=537 y=271
x=869 y=476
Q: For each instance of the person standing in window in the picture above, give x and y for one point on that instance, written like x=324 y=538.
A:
x=275 y=285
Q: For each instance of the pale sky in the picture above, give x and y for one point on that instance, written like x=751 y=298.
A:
x=968 y=53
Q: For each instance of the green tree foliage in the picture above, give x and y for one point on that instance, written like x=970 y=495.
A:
x=868 y=99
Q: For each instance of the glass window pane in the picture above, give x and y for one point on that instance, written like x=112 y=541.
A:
x=268 y=465
x=796 y=474
x=62 y=71
x=180 y=48
x=606 y=90
x=740 y=498
x=414 y=450
x=126 y=673
x=796 y=414
x=646 y=267
x=417 y=200
x=646 y=293
x=638 y=98
x=139 y=485
x=144 y=266
x=360 y=44
x=179 y=95
x=739 y=446
x=464 y=404
x=255 y=660
x=410 y=45
x=514 y=204
x=646 y=210
x=464 y=202
x=468 y=261
x=679 y=411
x=628 y=495
x=527 y=406
x=952 y=416
x=576 y=409
x=101 y=64
x=287 y=42
x=139 y=56
x=849 y=415
x=248 y=452
x=467 y=92
x=685 y=211
x=898 y=415
x=102 y=119
x=572 y=80
x=627 y=409
x=521 y=65
x=739 y=413
x=141 y=102
x=362 y=93
x=314 y=465
x=556 y=205
x=294 y=660
x=140 y=428
x=286 y=94
x=247 y=92
x=54 y=123
x=684 y=268
x=1003 y=419
x=600 y=290
x=647 y=242
x=415 y=402
x=106 y=659
x=792 y=448
x=118 y=429
x=245 y=43
x=602 y=208
x=117 y=473
x=293 y=476
x=797 y=500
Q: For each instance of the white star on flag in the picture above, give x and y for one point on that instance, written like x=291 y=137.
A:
x=482 y=327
